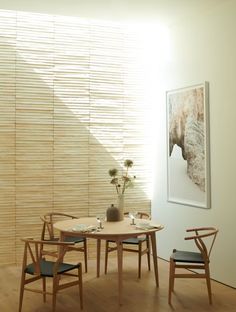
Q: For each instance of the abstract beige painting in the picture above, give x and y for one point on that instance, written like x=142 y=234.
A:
x=188 y=146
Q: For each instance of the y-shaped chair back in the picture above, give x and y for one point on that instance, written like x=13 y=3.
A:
x=48 y=233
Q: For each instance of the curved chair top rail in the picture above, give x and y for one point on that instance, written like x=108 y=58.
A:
x=51 y=214
x=48 y=221
x=210 y=231
x=140 y=214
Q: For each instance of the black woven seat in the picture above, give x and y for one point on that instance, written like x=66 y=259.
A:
x=46 y=268
x=187 y=256
x=74 y=239
x=68 y=239
x=132 y=240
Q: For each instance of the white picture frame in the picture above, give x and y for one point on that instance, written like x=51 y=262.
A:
x=188 y=157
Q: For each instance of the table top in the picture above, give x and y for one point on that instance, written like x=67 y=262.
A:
x=117 y=229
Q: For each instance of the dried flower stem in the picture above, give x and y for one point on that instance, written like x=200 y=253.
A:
x=126 y=180
x=117 y=189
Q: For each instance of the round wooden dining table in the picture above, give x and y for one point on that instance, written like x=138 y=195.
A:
x=91 y=227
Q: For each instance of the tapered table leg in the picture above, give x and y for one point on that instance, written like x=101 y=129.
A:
x=98 y=256
x=120 y=268
x=154 y=254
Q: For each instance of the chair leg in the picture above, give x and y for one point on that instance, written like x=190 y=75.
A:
x=85 y=256
x=44 y=288
x=148 y=253
x=80 y=287
x=171 y=279
x=139 y=258
x=106 y=255
x=54 y=292
x=208 y=281
x=21 y=291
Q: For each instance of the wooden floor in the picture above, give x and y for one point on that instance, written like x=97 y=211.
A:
x=100 y=294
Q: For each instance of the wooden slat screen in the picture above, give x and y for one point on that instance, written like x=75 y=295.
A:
x=71 y=108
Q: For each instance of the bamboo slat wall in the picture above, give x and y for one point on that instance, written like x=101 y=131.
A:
x=71 y=108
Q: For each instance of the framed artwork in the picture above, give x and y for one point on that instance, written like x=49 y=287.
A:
x=188 y=146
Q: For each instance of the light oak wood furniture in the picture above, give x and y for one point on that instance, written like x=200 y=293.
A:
x=38 y=267
x=138 y=295
x=203 y=237
x=128 y=243
x=116 y=231
x=48 y=233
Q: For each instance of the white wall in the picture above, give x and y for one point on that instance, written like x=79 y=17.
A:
x=203 y=48
x=135 y=10
x=102 y=9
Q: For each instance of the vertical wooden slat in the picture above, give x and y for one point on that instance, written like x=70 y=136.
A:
x=7 y=135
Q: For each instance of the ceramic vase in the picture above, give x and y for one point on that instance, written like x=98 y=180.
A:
x=120 y=205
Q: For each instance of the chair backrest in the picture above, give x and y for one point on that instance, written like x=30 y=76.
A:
x=48 y=220
x=139 y=215
x=201 y=234
x=32 y=253
x=143 y=215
